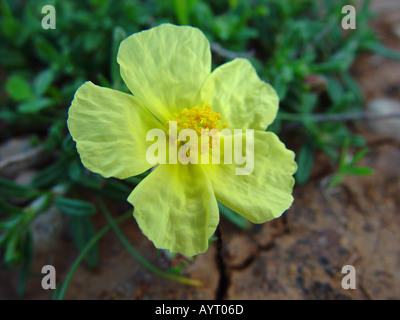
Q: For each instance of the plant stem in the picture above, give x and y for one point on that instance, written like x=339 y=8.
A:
x=297 y=119
x=218 y=49
x=337 y=117
x=84 y=252
x=137 y=255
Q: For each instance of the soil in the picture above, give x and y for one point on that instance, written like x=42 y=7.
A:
x=297 y=256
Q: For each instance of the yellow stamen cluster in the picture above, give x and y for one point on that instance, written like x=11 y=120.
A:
x=198 y=119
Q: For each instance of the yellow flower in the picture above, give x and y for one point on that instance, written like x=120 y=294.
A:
x=168 y=70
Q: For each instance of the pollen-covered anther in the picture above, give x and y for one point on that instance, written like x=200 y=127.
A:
x=199 y=119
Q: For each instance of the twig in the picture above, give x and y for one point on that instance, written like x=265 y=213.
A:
x=21 y=157
x=318 y=118
x=218 y=49
x=354 y=116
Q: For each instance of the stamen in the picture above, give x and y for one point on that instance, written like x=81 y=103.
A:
x=198 y=119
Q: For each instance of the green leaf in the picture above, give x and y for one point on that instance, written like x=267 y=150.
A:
x=34 y=106
x=18 y=88
x=334 y=65
x=343 y=155
x=83 y=231
x=335 y=90
x=359 y=171
x=10 y=189
x=10 y=26
x=75 y=171
x=119 y=34
x=56 y=136
x=379 y=48
x=181 y=8
x=336 y=179
x=46 y=50
x=202 y=15
x=27 y=264
x=53 y=174
x=358 y=156
x=11 y=58
x=7 y=208
x=305 y=161
x=111 y=188
x=11 y=222
x=74 y=207
x=43 y=81
x=115 y=190
x=354 y=91
x=233 y=217
x=13 y=253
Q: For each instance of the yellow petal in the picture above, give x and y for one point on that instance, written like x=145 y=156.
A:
x=236 y=92
x=165 y=67
x=110 y=128
x=175 y=207
x=265 y=193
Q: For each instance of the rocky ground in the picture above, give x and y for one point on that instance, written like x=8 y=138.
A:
x=298 y=256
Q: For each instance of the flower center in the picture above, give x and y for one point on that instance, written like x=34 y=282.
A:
x=198 y=119
x=195 y=132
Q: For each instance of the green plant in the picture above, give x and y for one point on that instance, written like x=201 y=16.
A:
x=297 y=46
x=348 y=166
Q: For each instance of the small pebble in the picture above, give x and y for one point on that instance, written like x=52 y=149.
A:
x=385 y=127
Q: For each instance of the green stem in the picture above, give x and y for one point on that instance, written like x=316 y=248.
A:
x=137 y=255
x=84 y=252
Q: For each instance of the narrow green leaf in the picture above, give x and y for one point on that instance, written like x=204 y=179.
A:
x=181 y=8
x=305 y=161
x=119 y=34
x=51 y=175
x=336 y=179
x=74 y=207
x=75 y=171
x=10 y=189
x=233 y=217
x=11 y=223
x=359 y=171
x=379 y=48
x=83 y=231
x=358 y=156
x=35 y=105
x=10 y=26
x=343 y=155
x=116 y=190
x=43 y=81
x=335 y=90
x=46 y=50
x=7 y=208
x=112 y=189
x=27 y=264
x=13 y=253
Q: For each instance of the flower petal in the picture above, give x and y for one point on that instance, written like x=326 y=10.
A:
x=243 y=99
x=175 y=207
x=265 y=193
x=110 y=129
x=165 y=67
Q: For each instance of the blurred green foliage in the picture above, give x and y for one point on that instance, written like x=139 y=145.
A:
x=297 y=46
x=347 y=165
